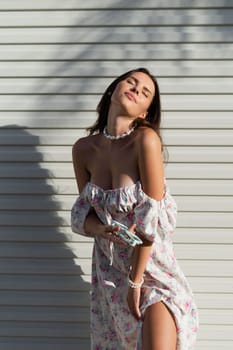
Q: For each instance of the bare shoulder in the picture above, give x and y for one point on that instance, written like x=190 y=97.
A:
x=150 y=163
x=81 y=154
x=148 y=139
x=84 y=145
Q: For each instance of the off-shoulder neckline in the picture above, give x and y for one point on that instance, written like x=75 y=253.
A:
x=137 y=184
x=123 y=188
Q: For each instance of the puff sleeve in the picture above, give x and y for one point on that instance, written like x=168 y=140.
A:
x=146 y=218
x=79 y=213
x=155 y=220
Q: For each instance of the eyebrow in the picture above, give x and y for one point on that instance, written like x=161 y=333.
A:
x=136 y=80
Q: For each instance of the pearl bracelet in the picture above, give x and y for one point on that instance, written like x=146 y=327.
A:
x=135 y=285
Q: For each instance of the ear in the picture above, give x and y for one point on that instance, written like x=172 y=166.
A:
x=143 y=115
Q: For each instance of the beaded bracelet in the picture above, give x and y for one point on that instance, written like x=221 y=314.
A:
x=135 y=285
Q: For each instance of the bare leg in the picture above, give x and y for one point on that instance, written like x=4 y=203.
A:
x=159 y=328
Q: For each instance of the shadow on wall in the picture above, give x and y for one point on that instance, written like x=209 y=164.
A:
x=41 y=281
x=88 y=50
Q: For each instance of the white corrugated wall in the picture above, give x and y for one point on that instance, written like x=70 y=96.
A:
x=56 y=58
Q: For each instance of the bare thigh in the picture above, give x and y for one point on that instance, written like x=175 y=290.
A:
x=159 y=328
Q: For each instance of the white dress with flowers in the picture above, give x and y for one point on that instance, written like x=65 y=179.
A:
x=112 y=325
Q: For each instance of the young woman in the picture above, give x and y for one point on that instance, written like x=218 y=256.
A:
x=140 y=297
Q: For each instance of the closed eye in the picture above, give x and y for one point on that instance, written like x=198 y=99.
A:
x=131 y=81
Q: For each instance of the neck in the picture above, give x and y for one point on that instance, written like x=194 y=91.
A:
x=118 y=125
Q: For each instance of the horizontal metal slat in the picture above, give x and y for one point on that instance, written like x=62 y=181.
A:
x=163 y=68
x=214 y=301
x=203 y=252
x=118 y=17
x=201 y=154
x=27 y=137
x=99 y=51
x=221 y=317
x=44 y=329
x=211 y=268
x=68 y=250
x=211 y=285
x=125 y=34
x=50 y=119
x=29 y=154
x=45 y=298
x=208 y=220
x=36 y=202
x=97 y=85
x=46 y=283
x=204 y=203
x=91 y=4
x=38 y=186
x=203 y=235
x=42 y=234
x=199 y=171
x=36 y=343
x=202 y=187
x=216 y=332
x=84 y=102
x=211 y=344
x=46 y=266
x=36 y=42
x=44 y=314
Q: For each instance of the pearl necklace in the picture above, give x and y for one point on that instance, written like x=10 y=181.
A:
x=117 y=137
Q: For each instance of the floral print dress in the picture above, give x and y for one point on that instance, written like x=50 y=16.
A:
x=112 y=325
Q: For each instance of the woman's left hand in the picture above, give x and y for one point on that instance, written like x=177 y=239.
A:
x=133 y=300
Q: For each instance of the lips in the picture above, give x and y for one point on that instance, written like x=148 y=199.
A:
x=130 y=96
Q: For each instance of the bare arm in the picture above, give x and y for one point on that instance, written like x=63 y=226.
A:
x=92 y=225
x=79 y=164
x=152 y=179
x=79 y=155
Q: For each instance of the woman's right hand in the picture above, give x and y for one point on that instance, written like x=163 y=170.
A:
x=95 y=228
x=110 y=232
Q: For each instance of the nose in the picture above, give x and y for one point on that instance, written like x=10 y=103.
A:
x=135 y=89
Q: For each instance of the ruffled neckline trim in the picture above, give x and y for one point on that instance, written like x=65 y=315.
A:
x=117 y=189
x=125 y=189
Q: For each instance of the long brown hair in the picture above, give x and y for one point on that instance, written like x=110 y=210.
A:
x=153 y=117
